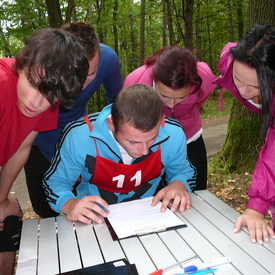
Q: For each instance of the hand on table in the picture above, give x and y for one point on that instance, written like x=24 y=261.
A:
x=86 y=209
x=259 y=231
x=175 y=191
x=9 y=207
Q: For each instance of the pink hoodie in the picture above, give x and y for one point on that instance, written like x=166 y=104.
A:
x=262 y=187
x=187 y=112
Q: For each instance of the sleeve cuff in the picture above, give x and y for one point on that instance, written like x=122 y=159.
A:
x=258 y=205
x=183 y=182
x=61 y=201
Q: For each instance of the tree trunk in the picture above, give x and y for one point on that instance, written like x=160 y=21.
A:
x=54 y=12
x=210 y=62
x=99 y=6
x=115 y=25
x=164 y=36
x=230 y=17
x=242 y=143
x=198 y=32
x=262 y=12
x=134 y=46
x=70 y=10
x=142 y=31
x=170 y=23
x=179 y=18
x=240 y=19
x=189 y=24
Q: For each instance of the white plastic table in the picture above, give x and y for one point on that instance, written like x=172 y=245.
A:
x=56 y=245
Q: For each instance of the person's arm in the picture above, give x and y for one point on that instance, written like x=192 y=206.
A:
x=8 y=174
x=179 y=174
x=64 y=171
x=261 y=193
x=66 y=167
x=207 y=85
x=113 y=80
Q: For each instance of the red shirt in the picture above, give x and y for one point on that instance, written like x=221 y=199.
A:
x=14 y=126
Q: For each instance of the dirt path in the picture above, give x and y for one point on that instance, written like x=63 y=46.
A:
x=214 y=133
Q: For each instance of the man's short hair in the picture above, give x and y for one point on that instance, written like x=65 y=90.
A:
x=86 y=36
x=139 y=105
x=54 y=63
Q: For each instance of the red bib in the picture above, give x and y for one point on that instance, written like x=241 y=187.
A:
x=123 y=178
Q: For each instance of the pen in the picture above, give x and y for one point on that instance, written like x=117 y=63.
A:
x=104 y=208
x=160 y=271
x=203 y=271
x=215 y=262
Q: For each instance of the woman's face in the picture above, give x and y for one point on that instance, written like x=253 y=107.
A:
x=170 y=97
x=246 y=80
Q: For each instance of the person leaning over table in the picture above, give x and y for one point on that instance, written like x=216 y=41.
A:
x=120 y=155
x=183 y=85
x=50 y=70
x=248 y=72
x=104 y=68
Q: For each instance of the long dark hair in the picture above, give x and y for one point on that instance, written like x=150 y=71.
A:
x=175 y=67
x=257 y=50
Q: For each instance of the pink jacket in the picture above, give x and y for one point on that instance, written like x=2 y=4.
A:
x=187 y=112
x=262 y=188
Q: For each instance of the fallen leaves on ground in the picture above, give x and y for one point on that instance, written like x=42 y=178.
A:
x=232 y=189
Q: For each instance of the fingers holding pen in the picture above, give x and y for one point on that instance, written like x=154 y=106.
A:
x=86 y=209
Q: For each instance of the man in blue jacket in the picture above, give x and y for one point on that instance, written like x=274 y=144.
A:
x=117 y=155
x=104 y=68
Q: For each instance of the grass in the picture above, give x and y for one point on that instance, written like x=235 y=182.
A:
x=210 y=108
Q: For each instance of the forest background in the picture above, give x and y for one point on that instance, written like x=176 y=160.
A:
x=136 y=29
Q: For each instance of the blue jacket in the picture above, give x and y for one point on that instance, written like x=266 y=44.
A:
x=109 y=75
x=76 y=144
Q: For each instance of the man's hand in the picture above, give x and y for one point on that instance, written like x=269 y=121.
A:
x=9 y=207
x=175 y=191
x=86 y=209
x=259 y=231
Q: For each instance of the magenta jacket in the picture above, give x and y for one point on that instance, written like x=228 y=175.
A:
x=262 y=188
x=187 y=112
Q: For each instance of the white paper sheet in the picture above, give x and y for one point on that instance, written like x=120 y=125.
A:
x=138 y=217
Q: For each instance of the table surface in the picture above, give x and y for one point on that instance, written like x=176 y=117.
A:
x=56 y=245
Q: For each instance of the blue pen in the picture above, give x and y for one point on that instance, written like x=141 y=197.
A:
x=202 y=271
x=200 y=266
x=104 y=208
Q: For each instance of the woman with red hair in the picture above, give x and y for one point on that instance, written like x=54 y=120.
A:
x=183 y=85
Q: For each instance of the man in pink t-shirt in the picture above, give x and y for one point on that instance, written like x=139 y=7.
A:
x=48 y=72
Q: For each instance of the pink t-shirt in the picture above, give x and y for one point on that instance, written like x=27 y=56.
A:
x=14 y=126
